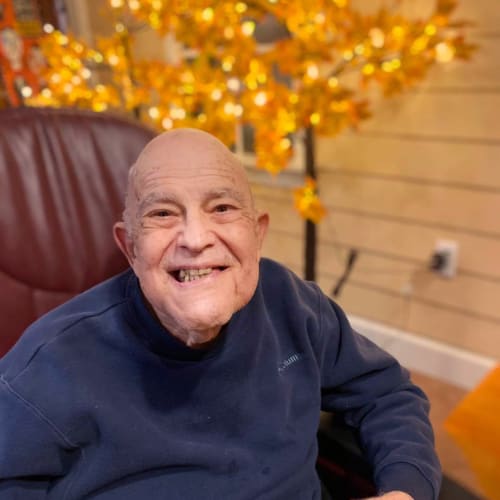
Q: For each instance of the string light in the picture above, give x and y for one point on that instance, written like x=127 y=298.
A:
x=229 y=32
x=154 y=113
x=444 y=52
x=377 y=37
x=241 y=7
x=238 y=110
x=333 y=82
x=312 y=71
x=430 y=30
x=248 y=28
x=229 y=108
x=26 y=91
x=216 y=94
x=260 y=99
x=233 y=84
x=207 y=14
x=167 y=123
x=315 y=118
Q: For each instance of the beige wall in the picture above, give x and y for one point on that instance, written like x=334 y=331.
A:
x=425 y=167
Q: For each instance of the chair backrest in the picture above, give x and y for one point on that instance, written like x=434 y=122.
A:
x=63 y=176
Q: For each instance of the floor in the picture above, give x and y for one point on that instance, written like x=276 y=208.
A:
x=444 y=398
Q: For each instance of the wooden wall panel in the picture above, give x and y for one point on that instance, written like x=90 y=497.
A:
x=441 y=115
x=284 y=248
x=485 y=14
x=284 y=241
x=471 y=333
x=471 y=294
x=279 y=204
x=390 y=309
x=409 y=242
x=453 y=207
x=415 y=157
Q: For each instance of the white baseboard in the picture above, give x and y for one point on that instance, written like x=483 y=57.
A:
x=429 y=357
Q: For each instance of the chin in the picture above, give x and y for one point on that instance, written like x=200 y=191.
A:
x=208 y=309
x=209 y=324
x=200 y=340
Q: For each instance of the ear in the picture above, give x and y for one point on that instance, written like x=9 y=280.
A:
x=124 y=242
x=262 y=224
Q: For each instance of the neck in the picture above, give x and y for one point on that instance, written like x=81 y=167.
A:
x=202 y=339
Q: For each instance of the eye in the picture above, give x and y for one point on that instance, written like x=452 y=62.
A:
x=161 y=213
x=223 y=207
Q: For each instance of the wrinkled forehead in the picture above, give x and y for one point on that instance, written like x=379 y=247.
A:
x=187 y=154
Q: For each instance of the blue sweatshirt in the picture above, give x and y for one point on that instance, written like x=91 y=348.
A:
x=99 y=401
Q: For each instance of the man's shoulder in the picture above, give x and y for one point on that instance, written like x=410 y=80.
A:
x=93 y=304
x=284 y=292
x=276 y=277
x=90 y=303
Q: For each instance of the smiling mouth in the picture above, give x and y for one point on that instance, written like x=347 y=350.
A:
x=185 y=275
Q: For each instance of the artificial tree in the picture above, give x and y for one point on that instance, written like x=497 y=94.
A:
x=279 y=66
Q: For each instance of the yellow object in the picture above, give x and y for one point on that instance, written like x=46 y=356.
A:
x=475 y=425
x=308 y=203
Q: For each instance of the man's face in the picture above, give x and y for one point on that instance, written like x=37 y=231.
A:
x=196 y=238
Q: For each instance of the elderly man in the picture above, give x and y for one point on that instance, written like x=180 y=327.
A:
x=201 y=372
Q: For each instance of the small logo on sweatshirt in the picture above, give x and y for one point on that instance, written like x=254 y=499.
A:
x=289 y=361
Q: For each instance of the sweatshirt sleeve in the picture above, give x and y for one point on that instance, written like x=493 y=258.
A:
x=375 y=395
x=33 y=453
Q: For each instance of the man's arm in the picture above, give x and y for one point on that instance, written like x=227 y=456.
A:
x=32 y=451
x=375 y=395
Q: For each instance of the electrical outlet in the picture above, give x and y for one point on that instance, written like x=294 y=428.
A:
x=444 y=259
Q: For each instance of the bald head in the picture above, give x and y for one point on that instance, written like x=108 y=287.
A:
x=182 y=152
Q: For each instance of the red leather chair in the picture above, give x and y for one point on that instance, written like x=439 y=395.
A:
x=63 y=176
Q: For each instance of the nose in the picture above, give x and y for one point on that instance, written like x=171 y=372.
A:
x=196 y=233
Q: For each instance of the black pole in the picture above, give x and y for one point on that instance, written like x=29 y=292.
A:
x=310 y=228
x=125 y=39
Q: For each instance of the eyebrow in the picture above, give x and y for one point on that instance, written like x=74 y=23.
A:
x=153 y=198
x=213 y=194
x=226 y=193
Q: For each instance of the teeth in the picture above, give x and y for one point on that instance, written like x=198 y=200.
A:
x=193 y=274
